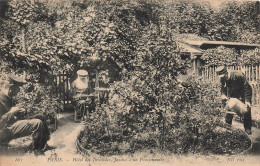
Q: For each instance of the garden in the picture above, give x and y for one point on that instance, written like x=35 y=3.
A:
x=135 y=44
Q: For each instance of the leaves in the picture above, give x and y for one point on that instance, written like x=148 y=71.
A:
x=230 y=57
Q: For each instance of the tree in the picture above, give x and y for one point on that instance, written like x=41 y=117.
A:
x=236 y=21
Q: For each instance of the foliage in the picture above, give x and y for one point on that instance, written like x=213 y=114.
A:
x=236 y=21
x=36 y=98
x=149 y=106
x=189 y=16
x=47 y=37
x=218 y=143
x=129 y=124
x=24 y=46
x=230 y=57
x=220 y=56
x=250 y=57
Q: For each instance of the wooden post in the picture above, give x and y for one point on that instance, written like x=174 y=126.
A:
x=97 y=85
x=59 y=84
x=249 y=73
x=258 y=94
x=243 y=69
x=253 y=93
x=67 y=87
x=56 y=85
x=252 y=73
x=210 y=71
x=206 y=73
x=203 y=72
x=257 y=72
x=213 y=73
x=246 y=72
x=63 y=87
x=194 y=64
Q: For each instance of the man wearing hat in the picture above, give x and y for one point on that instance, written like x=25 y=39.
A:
x=11 y=127
x=235 y=85
x=80 y=89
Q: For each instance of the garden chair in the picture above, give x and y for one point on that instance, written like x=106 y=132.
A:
x=83 y=111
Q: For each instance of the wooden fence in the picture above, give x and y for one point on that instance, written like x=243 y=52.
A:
x=61 y=86
x=252 y=73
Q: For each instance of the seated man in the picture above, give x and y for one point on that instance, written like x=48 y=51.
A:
x=11 y=127
x=81 y=92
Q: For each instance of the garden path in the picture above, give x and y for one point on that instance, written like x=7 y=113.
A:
x=65 y=136
x=66 y=154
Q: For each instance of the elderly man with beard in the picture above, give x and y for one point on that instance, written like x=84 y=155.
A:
x=81 y=91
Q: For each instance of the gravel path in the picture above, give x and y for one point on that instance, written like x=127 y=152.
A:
x=65 y=136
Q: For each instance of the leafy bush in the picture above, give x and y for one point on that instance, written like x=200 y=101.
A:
x=131 y=122
x=36 y=98
x=149 y=108
x=230 y=57
x=225 y=140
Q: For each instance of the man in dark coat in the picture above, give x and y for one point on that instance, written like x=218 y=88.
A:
x=235 y=85
x=11 y=127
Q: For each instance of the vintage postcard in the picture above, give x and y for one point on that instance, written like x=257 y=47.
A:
x=129 y=82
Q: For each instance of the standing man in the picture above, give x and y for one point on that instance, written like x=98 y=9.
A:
x=234 y=84
x=11 y=125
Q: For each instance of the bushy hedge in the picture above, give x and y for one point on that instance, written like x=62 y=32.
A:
x=230 y=57
x=189 y=123
x=36 y=98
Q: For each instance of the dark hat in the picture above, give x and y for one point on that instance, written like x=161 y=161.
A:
x=221 y=71
x=17 y=80
x=82 y=73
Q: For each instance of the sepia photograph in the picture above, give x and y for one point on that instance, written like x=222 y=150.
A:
x=129 y=82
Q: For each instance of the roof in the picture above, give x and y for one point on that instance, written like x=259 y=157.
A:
x=188 y=49
x=213 y=44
